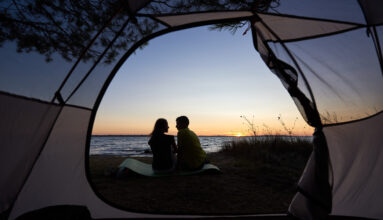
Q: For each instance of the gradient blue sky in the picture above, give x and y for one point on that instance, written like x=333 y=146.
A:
x=212 y=77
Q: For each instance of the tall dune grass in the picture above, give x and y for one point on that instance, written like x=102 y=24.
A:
x=270 y=149
x=278 y=160
x=276 y=156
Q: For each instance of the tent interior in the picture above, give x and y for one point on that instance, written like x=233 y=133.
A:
x=59 y=57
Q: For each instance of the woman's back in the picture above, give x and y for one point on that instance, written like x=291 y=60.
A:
x=161 y=146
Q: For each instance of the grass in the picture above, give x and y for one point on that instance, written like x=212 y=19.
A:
x=273 y=150
x=259 y=175
x=279 y=158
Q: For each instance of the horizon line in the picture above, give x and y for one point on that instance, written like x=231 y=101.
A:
x=206 y=135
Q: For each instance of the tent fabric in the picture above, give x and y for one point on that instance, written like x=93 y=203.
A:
x=295 y=28
x=341 y=93
x=65 y=212
x=372 y=11
x=178 y=20
x=31 y=120
x=59 y=176
x=327 y=54
x=356 y=158
x=342 y=10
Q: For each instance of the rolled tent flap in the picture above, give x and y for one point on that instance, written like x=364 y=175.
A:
x=314 y=197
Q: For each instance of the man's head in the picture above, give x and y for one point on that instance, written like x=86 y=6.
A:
x=182 y=122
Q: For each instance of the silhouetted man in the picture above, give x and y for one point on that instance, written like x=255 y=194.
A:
x=191 y=156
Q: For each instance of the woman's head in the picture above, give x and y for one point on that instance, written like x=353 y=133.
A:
x=160 y=127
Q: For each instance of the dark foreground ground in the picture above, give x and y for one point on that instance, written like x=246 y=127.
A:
x=243 y=187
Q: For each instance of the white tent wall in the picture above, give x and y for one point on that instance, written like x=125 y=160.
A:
x=23 y=122
x=59 y=175
x=356 y=154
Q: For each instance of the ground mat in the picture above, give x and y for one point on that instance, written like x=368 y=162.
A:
x=146 y=169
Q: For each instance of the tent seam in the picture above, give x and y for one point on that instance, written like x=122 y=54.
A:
x=42 y=101
x=315 y=36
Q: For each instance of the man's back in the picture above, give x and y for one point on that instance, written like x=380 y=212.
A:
x=190 y=153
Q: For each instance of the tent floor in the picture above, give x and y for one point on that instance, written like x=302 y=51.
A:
x=71 y=212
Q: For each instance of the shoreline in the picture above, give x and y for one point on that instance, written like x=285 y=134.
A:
x=233 y=136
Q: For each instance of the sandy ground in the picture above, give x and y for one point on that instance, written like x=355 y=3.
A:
x=241 y=188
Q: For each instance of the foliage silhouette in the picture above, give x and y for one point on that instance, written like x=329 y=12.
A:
x=68 y=27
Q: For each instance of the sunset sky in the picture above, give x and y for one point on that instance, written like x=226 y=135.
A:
x=211 y=77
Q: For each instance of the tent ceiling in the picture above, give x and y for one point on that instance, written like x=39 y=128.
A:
x=178 y=20
x=285 y=27
x=291 y=28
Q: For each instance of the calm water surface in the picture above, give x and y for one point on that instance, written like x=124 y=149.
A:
x=127 y=145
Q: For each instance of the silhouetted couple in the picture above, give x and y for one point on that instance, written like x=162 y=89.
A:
x=168 y=156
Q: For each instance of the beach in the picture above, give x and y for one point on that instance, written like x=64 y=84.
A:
x=243 y=187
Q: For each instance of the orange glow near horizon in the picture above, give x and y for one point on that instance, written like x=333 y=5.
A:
x=215 y=127
x=306 y=132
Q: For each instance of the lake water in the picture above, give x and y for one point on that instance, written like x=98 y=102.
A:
x=126 y=145
x=129 y=145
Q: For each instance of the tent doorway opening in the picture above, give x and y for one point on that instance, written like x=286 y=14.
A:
x=245 y=120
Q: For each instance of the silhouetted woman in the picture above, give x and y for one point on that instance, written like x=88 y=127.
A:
x=163 y=147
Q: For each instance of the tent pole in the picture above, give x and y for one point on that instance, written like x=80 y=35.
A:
x=378 y=48
x=83 y=53
x=375 y=37
x=99 y=59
